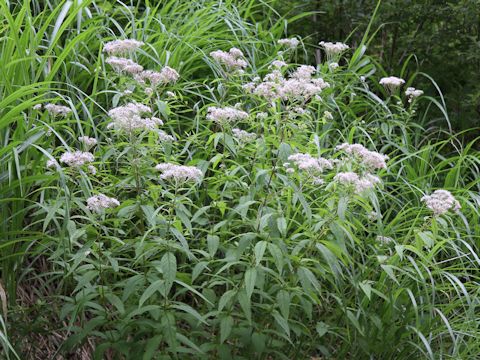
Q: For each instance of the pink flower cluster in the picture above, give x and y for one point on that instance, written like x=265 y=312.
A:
x=87 y=141
x=232 y=60
x=358 y=183
x=122 y=46
x=179 y=173
x=370 y=159
x=391 y=83
x=57 y=110
x=441 y=201
x=130 y=118
x=301 y=85
x=156 y=78
x=225 y=115
x=312 y=166
x=100 y=202
x=333 y=49
x=291 y=43
x=243 y=136
x=76 y=158
x=123 y=65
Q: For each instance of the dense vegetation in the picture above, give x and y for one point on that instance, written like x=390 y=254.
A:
x=182 y=180
x=437 y=37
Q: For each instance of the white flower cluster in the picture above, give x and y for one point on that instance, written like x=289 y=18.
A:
x=225 y=114
x=441 y=201
x=368 y=162
x=123 y=65
x=156 y=78
x=413 y=93
x=164 y=137
x=299 y=86
x=384 y=239
x=370 y=159
x=179 y=173
x=76 y=158
x=129 y=118
x=291 y=43
x=391 y=83
x=243 y=136
x=122 y=46
x=87 y=141
x=278 y=64
x=233 y=59
x=51 y=163
x=149 y=78
x=333 y=49
x=359 y=183
x=100 y=202
x=312 y=166
x=57 y=110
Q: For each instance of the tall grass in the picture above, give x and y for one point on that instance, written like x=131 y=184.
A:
x=252 y=262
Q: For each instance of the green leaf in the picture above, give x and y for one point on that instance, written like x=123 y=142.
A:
x=155 y=286
x=282 y=322
x=168 y=265
x=250 y=279
x=212 y=243
x=321 y=328
x=282 y=226
x=226 y=324
x=283 y=300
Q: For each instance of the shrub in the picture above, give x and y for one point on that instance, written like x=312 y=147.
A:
x=238 y=204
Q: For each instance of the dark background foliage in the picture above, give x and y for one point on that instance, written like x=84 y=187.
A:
x=443 y=37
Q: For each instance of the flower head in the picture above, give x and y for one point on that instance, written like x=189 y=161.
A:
x=57 y=110
x=179 y=173
x=87 y=141
x=76 y=158
x=99 y=202
x=333 y=49
x=156 y=78
x=130 y=117
x=370 y=159
x=122 y=46
x=357 y=182
x=243 y=136
x=232 y=60
x=123 y=65
x=225 y=114
x=413 y=93
x=391 y=83
x=441 y=201
x=291 y=43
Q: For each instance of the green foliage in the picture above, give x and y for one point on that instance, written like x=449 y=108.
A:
x=254 y=260
x=443 y=37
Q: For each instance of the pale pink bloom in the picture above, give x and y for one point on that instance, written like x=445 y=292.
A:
x=57 y=110
x=243 y=136
x=77 y=158
x=441 y=201
x=333 y=49
x=98 y=203
x=179 y=173
x=122 y=46
x=123 y=65
x=391 y=83
x=225 y=114
x=130 y=117
x=156 y=78
x=369 y=159
x=232 y=60
x=291 y=43
x=87 y=141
